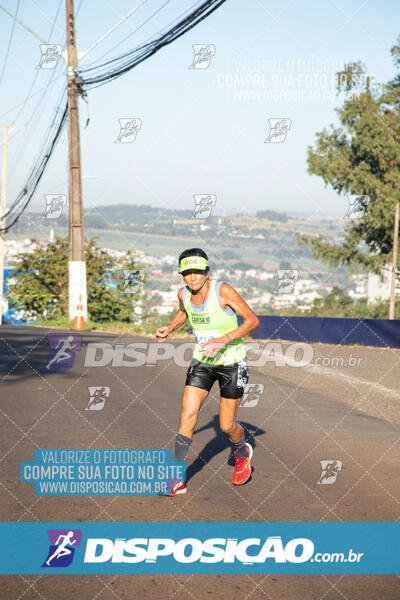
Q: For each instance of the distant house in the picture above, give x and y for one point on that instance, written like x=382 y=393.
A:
x=379 y=285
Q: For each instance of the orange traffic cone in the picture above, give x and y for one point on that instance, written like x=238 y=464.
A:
x=79 y=319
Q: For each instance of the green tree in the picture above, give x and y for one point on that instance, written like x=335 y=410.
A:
x=241 y=266
x=271 y=215
x=361 y=157
x=39 y=282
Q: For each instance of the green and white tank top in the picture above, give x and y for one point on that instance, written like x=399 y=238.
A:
x=209 y=321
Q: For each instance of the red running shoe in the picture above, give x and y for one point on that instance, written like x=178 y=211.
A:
x=242 y=470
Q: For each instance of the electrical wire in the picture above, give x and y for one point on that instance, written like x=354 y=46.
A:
x=131 y=59
x=20 y=148
x=9 y=46
x=45 y=141
x=78 y=9
x=10 y=110
x=47 y=148
x=37 y=72
x=129 y=35
x=46 y=86
x=25 y=196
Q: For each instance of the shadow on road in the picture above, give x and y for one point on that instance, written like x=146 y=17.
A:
x=219 y=443
x=25 y=351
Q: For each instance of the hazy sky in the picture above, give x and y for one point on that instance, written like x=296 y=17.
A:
x=202 y=130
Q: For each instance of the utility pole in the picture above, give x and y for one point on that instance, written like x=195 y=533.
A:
x=77 y=263
x=3 y=217
x=394 y=263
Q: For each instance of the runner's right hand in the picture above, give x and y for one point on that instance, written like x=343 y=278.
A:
x=162 y=333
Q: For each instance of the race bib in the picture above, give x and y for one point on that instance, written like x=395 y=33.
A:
x=204 y=336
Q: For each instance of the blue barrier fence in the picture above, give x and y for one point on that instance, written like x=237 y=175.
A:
x=368 y=332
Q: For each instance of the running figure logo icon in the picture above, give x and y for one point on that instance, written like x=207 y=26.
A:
x=54 y=205
x=62 y=547
x=251 y=396
x=203 y=205
x=278 y=130
x=98 y=396
x=62 y=351
x=357 y=206
x=330 y=470
x=203 y=54
x=133 y=280
x=286 y=280
x=50 y=54
x=128 y=129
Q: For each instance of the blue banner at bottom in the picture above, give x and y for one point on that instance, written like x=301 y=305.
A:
x=200 y=548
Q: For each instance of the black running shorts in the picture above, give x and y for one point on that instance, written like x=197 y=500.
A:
x=232 y=379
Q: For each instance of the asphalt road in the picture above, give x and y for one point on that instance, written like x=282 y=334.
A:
x=304 y=415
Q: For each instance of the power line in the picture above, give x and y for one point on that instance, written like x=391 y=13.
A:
x=38 y=70
x=21 y=148
x=47 y=148
x=78 y=9
x=46 y=138
x=7 y=112
x=131 y=33
x=45 y=87
x=23 y=24
x=9 y=46
x=103 y=37
x=131 y=59
x=25 y=196
x=24 y=143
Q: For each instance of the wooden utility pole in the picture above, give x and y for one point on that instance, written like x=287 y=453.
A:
x=3 y=217
x=394 y=263
x=77 y=263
